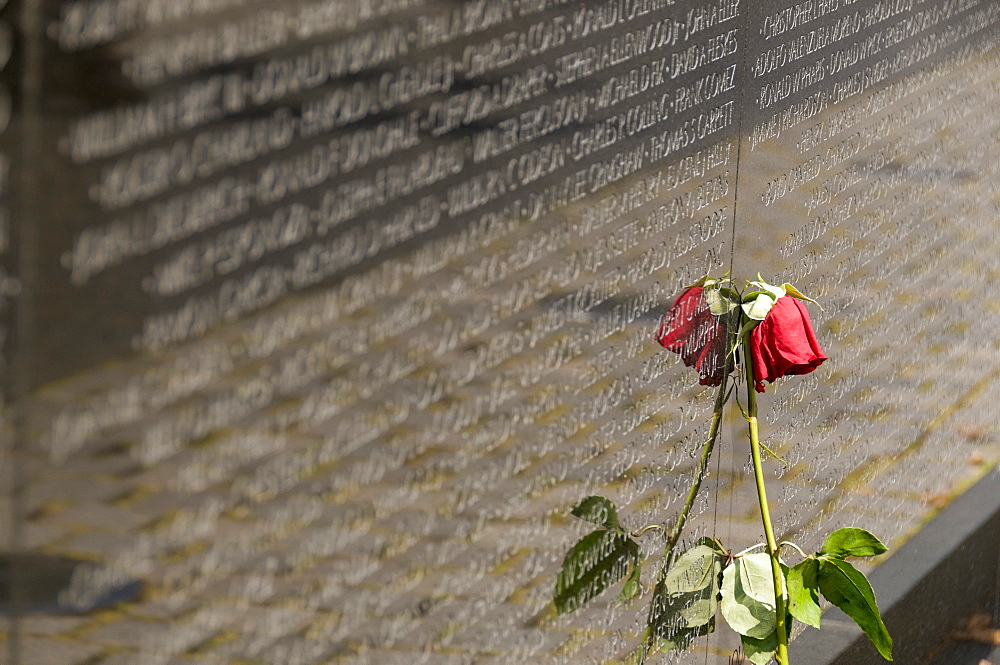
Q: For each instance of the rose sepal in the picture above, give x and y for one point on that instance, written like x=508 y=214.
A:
x=795 y=293
x=758 y=308
x=777 y=291
x=707 y=281
x=747 y=327
x=757 y=303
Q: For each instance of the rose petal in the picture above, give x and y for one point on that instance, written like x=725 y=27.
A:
x=784 y=343
x=691 y=330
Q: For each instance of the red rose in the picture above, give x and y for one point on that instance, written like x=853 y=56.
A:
x=784 y=343
x=690 y=329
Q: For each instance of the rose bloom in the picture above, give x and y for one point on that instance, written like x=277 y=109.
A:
x=784 y=343
x=690 y=329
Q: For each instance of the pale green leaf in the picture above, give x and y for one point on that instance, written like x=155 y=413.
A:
x=748 y=603
x=718 y=301
x=803 y=592
x=851 y=541
x=700 y=610
x=760 y=651
x=847 y=588
x=693 y=571
x=756 y=578
x=685 y=601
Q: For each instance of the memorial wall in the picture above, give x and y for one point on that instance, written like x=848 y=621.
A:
x=320 y=315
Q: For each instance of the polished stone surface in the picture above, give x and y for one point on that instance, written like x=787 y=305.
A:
x=336 y=307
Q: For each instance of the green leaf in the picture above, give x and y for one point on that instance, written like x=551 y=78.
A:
x=598 y=510
x=685 y=600
x=846 y=587
x=691 y=571
x=803 y=592
x=851 y=542
x=596 y=562
x=760 y=651
x=632 y=585
x=748 y=596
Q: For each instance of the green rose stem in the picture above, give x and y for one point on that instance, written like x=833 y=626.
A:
x=758 y=471
x=721 y=397
x=706 y=455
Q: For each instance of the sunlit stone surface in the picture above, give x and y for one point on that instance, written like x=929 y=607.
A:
x=331 y=309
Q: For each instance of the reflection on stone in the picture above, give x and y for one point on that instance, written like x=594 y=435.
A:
x=341 y=305
x=39 y=583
